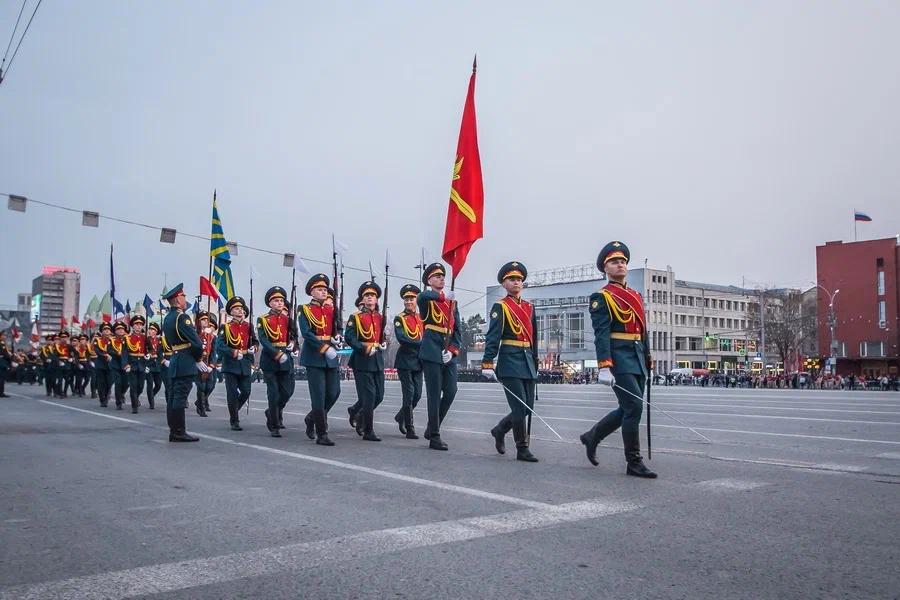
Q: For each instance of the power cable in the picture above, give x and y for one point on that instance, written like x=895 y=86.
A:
x=25 y=31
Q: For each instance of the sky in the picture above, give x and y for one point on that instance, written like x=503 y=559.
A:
x=723 y=139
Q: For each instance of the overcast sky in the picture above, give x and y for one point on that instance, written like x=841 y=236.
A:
x=724 y=139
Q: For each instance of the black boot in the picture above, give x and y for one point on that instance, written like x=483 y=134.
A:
x=368 y=429
x=310 y=425
x=436 y=443
x=636 y=466
x=410 y=425
x=206 y=402
x=352 y=416
x=180 y=435
x=499 y=432
x=321 y=424
x=280 y=417
x=360 y=419
x=198 y=403
x=522 y=451
x=400 y=417
x=596 y=434
x=151 y=403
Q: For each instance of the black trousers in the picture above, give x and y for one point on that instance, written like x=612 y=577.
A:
x=516 y=419
x=324 y=387
x=103 y=384
x=440 y=389
x=237 y=392
x=411 y=387
x=136 y=378
x=119 y=385
x=279 y=386
x=154 y=382
x=180 y=390
x=370 y=391
x=628 y=414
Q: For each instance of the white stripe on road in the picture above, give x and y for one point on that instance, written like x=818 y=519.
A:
x=730 y=484
x=334 y=463
x=187 y=574
x=889 y=455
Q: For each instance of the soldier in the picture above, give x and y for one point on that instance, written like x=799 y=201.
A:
x=48 y=355
x=440 y=345
x=64 y=364
x=82 y=364
x=135 y=361
x=236 y=344
x=319 y=356
x=154 y=358
x=6 y=362
x=206 y=381
x=408 y=330
x=92 y=364
x=273 y=332
x=166 y=359
x=623 y=357
x=117 y=362
x=512 y=340
x=187 y=349
x=103 y=369
x=363 y=335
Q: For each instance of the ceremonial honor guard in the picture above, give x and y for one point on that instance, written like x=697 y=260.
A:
x=187 y=349
x=408 y=330
x=82 y=364
x=362 y=334
x=136 y=361
x=48 y=358
x=64 y=364
x=117 y=362
x=166 y=359
x=236 y=344
x=512 y=340
x=206 y=381
x=440 y=345
x=273 y=332
x=319 y=356
x=154 y=358
x=102 y=364
x=92 y=373
x=623 y=357
x=6 y=361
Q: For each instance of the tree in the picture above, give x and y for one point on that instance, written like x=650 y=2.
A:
x=787 y=324
x=471 y=332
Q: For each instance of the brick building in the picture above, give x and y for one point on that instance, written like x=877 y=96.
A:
x=866 y=318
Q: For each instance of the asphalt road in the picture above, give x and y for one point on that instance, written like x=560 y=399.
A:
x=797 y=496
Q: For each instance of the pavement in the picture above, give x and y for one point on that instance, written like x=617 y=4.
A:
x=797 y=496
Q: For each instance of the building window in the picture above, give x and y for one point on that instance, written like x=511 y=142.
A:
x=879 y=262
x=665 y=297
x=680 y=343
x=576 y=330
x=881 y=283
x=724 y=345
x=695 y=343
x=882 y=314
x=653 y=279
x=728 y=304
x=871 y=349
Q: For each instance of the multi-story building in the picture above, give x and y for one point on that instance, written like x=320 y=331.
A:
x=691 y=325
x=858 y=297
x=56 y=293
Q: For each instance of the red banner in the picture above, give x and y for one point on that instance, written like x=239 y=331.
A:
x=207 y=289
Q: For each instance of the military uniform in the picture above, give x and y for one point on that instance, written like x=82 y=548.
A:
x=179 y=332
x=83 y=368
x=64 y=364
x=441 y=321
x=117 y=362
x=620 y=341
x=166 y=355
x=363 y=335
x=512 y=340
x=102 y=365
x=275 y=360
x=408 y=331
x=319 y=357
x=48 y=360
x=135 y=364
x=6 y=360
x=236 y=344
x=206 y=382
x=154 y=364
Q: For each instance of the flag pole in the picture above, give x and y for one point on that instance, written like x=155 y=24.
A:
x=209 y=276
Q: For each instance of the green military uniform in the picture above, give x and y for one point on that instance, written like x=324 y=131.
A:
x=620 y=341
x=63 y=364
x=154 y=364
x=236 y=344
x=274 y=331
x=118 y=360
x=440 y=345
x=135 y=369
x=512 y=340
x=179 y=331
x=319 y=357
x=364 y=334
x=408 y=331
x=102 y=368
x=206 y=382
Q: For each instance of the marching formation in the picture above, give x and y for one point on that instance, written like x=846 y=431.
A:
x=186 y=354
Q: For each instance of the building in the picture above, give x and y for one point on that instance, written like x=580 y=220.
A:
x=691 y=325
x=56 y=294
x=858 y=317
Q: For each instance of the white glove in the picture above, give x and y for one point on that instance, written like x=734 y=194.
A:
x=373 y=349
x=449 y=296
x=489 y=374
x=146 y=357
x=165 y=363
x=91 y=363
x=203 y=367
x=295 y=353
x=240 y=355
x=330 y=353
x=283 y=358
x=128 y=368
x=146 y=369
x=14 y=365
x=382 y=346
x=337 y=341
x=605 y=377
x=251 y=349
x=290 y=347
x=446 y=356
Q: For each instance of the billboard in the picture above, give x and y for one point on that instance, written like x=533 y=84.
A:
x=36 y=307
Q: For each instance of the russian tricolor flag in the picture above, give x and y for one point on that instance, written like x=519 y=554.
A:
x=861 y=216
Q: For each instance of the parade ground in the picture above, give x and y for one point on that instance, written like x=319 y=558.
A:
x=797 y=497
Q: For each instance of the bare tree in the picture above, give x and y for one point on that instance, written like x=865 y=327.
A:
x=787 y=324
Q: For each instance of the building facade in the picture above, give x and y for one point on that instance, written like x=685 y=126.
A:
x=56 y=294
x=858 y=298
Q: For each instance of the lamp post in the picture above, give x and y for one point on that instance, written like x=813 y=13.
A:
x=832 y=322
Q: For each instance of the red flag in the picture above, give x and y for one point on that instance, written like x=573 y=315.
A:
x=62 y=322
x=91 y=323
x=74 y=319
x=35 y=334
x=466 y=208
x=207 y=289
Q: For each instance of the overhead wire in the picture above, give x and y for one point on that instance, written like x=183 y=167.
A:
x=24 y=32
x=12 y=36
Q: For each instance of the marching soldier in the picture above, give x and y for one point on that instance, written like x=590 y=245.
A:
x=206 y=381
x=166 y=359
x=512 y=340
x=363 y=335
x=273 y=332
x=408 y=330
x=118 y=360
x=64 y=360
x=6 y=362
x=92 y=363
x=154 y=363
x=48 y=356
x=319 y=356
x=103 y=368
x=135 y=361
x=236 y=344
x=82 y=364
x=623 y=357
x=179 y=331
x=440 y=345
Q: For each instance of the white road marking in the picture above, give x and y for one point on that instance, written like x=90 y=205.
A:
x=334 y=463
x=187 y=574
x=740 y=485
x=838 y=467
x=889 y=455
x=150 y=507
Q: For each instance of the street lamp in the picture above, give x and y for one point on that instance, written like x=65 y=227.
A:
x=831 y=320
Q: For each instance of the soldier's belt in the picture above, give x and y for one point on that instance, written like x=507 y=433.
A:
x=519 y=343
x=280 y=344
x=177 y=347
x=436 y=328
x=324 y=338
x=625 y=336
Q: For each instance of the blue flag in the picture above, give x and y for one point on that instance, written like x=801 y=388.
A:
x=148 y=305
x=118 y=309
x=218 y=249
x=128 y=307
